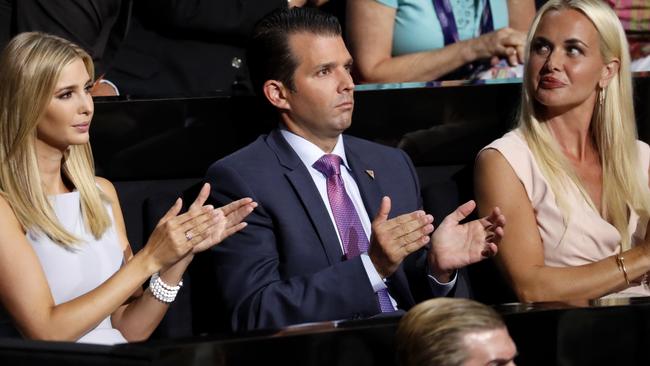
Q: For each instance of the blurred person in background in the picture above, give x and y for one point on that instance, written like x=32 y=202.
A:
x=423 y=40
x=190 y=48
x=635 y=17
x=454 y=332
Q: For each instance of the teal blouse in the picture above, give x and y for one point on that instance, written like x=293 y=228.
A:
x=417 y=27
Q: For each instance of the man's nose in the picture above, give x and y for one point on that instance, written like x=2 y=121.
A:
x=346 y=83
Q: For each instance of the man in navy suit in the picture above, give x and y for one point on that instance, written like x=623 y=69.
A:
x=290 y=264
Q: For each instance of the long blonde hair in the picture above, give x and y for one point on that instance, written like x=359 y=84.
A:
x=30 y=67
x=613 y=127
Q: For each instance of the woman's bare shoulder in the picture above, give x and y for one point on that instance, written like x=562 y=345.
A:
x=107 y=187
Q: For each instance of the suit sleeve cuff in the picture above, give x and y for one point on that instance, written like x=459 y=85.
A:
x=375 y=279
x=111 y=84
x=441 y=289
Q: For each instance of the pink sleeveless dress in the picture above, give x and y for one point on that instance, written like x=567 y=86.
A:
x=586 y=237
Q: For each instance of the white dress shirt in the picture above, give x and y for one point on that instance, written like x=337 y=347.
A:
x=309 y=153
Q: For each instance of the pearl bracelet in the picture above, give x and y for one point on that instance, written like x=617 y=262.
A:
x=162 y=291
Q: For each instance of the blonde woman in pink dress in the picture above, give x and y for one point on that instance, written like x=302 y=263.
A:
x=572 y=177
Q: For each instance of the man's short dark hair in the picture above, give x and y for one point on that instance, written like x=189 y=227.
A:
x=269 y=55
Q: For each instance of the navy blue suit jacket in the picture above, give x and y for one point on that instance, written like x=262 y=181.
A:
x=286 y=266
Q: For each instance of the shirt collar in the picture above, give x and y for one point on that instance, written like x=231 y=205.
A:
x=308 y=152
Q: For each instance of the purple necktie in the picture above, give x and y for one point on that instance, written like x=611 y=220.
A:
x=347 y=220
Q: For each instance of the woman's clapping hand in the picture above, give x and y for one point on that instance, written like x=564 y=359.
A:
x=201 y=227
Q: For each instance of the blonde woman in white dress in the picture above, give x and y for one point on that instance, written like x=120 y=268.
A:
x=67 y=271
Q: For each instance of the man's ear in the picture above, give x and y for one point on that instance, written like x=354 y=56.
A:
x=609 y=70
x=276 y=93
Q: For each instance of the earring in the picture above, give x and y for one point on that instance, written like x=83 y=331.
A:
x=601 y=97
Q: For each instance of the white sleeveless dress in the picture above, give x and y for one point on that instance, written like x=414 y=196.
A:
x=74 y=272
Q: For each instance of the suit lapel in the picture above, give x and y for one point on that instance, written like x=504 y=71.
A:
x=363 y=174
x=305 y=189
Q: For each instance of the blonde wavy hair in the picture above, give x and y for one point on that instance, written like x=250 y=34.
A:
x=30 y=67
x=432 y=332
x=613 y=127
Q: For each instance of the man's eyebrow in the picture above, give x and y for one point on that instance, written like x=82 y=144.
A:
x=502 y=361
x=327 y=65
x=499 y=361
